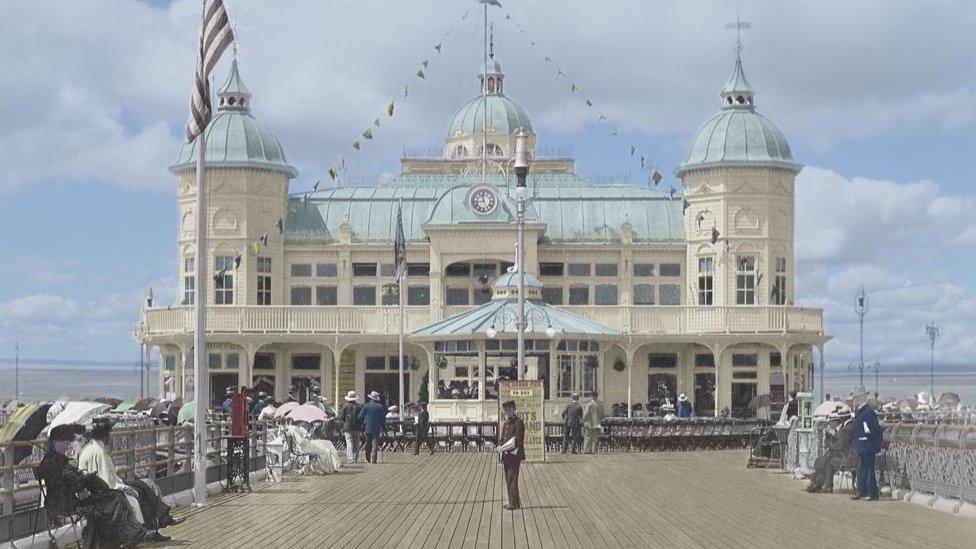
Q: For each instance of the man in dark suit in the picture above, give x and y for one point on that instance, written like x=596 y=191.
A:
x=572 y=422
x=512 y=459
x=839 y=455
x=866 y=437
x=423 y=430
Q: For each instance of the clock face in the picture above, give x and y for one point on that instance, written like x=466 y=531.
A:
x=483 y=200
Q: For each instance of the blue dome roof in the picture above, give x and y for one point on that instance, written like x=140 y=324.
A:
x=235 y=139
x=504 y=116
x=738 y=135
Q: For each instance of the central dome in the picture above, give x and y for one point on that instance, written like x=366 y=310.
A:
x=504 y=116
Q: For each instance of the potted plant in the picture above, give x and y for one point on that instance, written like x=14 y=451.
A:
x=413 y=363
x=619 y=364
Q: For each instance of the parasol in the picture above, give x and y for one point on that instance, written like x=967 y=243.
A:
x=160 y=408
x=949 y=398
x=186 y=412
x=285 y=408
x=112 y=402
x=30 y=430
x=56 y=409
x=144 y=404
x=760 y=401
x=831 y=407
x=174 y=410
x=125 y=406
x=306 y=412
x=11 y=406
x=16 y=421
x=78 y=412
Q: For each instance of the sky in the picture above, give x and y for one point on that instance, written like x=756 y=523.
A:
x=877 y=98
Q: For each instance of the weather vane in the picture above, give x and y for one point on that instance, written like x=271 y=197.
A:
x=738 y=25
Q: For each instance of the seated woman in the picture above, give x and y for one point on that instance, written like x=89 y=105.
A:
x=323 y=457
x=110 y=520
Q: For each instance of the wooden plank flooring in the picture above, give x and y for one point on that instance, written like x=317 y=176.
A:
x=704 y=499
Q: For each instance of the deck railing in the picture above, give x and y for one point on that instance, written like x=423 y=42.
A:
x=163 y=454
x=665 y=320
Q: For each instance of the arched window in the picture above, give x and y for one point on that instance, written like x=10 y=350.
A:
x=494 y=150
x=491 y=85
x=460 y=152
x=231 y=101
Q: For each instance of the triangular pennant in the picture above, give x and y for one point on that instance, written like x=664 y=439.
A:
x=657 y=177
x=425 y=63
x=255 y=248
x=355 y=145
x=420 y=73
x=548 y=60
x=333 y=173
x=589 y=103
x=602 y=118
x=715 y=235
x=573 y=88
x=643 y=162
x=389 y=108
x=671 y=193
x=684 y=206
x=368 y=133
x=376 y=122
x=560 y=74
x=437 y=48
x=404 y=90
x=633 y=149
x=315 y=187
x=280 y=224
x=264 y=239
x=237 y=261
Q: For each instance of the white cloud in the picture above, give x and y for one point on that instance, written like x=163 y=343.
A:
x=901 y=241
x=106 y=100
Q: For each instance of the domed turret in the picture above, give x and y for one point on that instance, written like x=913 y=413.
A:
x=491 y=117
x=235 y=138
x=738 y=135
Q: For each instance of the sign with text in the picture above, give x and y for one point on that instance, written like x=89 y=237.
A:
x=528 y=396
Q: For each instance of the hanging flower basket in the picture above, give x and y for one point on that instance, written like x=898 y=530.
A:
x=413 y=363
x=441 y=362
x=619 y=365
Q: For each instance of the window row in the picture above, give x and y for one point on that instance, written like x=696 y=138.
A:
x=606 y=269
x=361 y=295
x=608 y=294
x=363 y=269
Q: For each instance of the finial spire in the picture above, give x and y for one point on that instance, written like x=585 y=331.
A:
x=491 y=41
x=233 y=95
x=738 y=25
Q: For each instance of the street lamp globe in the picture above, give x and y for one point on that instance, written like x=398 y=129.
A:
x=551 y=332
x=492 y=332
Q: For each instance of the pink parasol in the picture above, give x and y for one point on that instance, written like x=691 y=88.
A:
x=285 y=408
x=831 y=407
x=306 y=412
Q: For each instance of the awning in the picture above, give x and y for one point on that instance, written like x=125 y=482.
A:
x=500 y=314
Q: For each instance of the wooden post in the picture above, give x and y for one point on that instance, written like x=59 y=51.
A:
x=171 y=453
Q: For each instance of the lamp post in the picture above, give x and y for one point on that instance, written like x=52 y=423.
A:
x=861 y=308
x=876 y=368
x=932 y=331
x=521 y=166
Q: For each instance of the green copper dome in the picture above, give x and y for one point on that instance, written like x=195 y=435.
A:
x=504 y=116
x=738 y=135
x=235 y=138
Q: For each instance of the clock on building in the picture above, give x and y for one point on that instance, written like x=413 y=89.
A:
x=483 y=200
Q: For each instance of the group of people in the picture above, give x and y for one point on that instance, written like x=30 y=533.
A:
x=117 y=513
x=853 y=441
x=582 y=424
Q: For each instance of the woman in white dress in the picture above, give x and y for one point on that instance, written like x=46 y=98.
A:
x=323 y=457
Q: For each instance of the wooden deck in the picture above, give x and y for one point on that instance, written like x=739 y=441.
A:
x=704 y=499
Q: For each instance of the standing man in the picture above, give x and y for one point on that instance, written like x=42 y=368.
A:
x=867 y=438
x=593 y=416
x=351 y=425
x=422 y=427
x=373 y=417
x=684 y=406
x=513 y=429
x=572 y=420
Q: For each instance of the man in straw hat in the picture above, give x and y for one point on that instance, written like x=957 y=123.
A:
x=685 y=408
x=351 y=425
x=512 y=430
x=373 y=416
x=839 y=455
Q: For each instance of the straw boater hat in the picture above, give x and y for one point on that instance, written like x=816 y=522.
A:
x=682 y=397
x=374 y=396
x=351 y=396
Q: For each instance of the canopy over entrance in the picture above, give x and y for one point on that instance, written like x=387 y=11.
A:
x=498 y=316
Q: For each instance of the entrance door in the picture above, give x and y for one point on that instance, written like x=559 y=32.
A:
x=742 y=394
x=218 y=388
x=704 y=394
x=386 y=384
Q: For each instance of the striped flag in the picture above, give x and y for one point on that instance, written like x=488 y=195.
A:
x=215 y=35
x=400 y=246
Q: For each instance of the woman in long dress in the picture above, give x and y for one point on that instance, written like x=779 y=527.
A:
x=323 y=457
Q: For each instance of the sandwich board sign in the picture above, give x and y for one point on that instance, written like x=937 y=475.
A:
x=528 y=395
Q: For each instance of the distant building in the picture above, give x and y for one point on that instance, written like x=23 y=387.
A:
x=650 y=296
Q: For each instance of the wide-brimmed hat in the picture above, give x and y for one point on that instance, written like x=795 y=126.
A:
x=392 y=409
x=682 y=397
x=67 y=431
x=374 y=396
x=351 y=396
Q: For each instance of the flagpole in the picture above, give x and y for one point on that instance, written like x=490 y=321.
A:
x=401 y=270
x=200 y=395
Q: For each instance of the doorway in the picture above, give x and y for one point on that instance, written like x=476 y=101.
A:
x=218 y=388
x=742 y=395
x=385 y=383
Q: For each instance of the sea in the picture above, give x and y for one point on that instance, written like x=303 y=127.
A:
x=83 y=383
